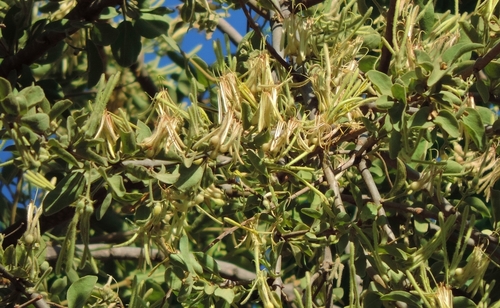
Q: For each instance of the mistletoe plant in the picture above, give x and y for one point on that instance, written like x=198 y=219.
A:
x=344 y=154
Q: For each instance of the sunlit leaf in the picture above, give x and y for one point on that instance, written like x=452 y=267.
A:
x=80 y=291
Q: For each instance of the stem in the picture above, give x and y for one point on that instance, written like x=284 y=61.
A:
x=385 y=58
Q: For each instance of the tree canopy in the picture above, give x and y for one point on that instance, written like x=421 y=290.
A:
x=344 y=155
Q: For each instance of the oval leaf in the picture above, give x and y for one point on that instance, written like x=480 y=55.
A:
x=448 y=123
x=127 y=46
x=151 y=26
x=65 y=193
x=80 y=291
x=381 y=81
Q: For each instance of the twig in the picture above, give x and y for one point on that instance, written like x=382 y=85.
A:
x=143 y=78
x=332 y=181
x=269 y=48
x=277 y=284
x=482 y=61
x=227 y=232
x=385 y=58
x=396 y=206
x=105 y=252
x=254 y=6
x=372 y=188
x=20 y=286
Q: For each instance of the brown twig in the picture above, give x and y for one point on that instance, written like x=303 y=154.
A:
x=385 y=57
x=269 y=48
x=143 y=78
x=482 y=61
x=20 y=286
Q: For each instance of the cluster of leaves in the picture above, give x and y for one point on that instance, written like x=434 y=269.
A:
x=311 y=175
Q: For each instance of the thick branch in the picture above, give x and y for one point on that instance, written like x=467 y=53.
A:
x=231 y=32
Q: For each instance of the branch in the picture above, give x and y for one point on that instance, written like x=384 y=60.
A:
x=20 y=286
x=85 y=10
x=143 y=78
x=269 y=48
x=385 y=58
x=231 y=32
x=482 y=61
x=332 y=181
x=372 y=188
x=106 y=252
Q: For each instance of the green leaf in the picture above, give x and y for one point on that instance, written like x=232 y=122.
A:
x=367 y=63
x=452 y=54
x=95 y=65
x=311 y=213
x=208 y=263
x=492 y=70
x=226 y=293
x=59 y=285
x=400 y=180
x=495 y=206
x=257 y=162
x=453 y=167
x=483 y=87
x=80 y=291
x=115 y=183
x=464 y=302
x=384 y=102
x=129 y=146
x=57 y=149
x=66 y=192
x=59 y=107
x=167 y=178
x=38 y=122
x=447 y=121
x=143 y=131
x=419 y=119
x=381 y=81
x=474 y=127
x=127 y=46
x=368 y=211
x=479 y=206
x=104 y=206
x=394 y=144
x=104 y=92
x=406 y=297
x=189 y=177
x=437 y=73
x=5 y=88
x=426 y=23
x=399 y=92
x=174 y=277
x=103 y=34
x=151 y=25
x=34 y=95
x=487 y=115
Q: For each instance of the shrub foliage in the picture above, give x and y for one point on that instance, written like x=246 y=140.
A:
x=344 y=154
